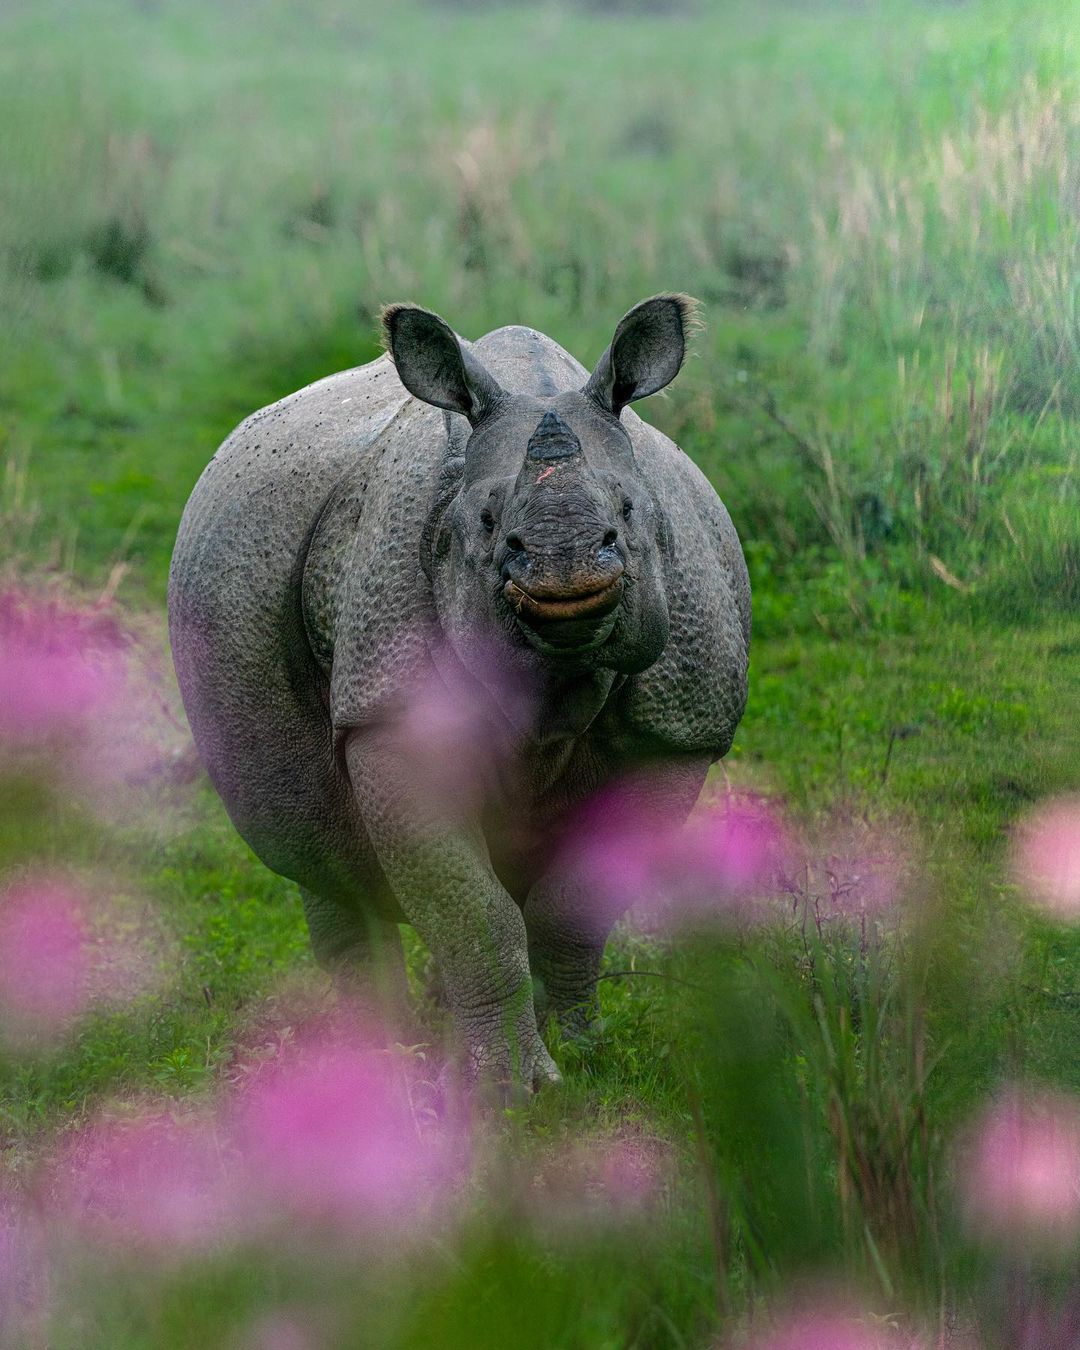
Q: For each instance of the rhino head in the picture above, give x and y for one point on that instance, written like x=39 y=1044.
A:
x=550 y=533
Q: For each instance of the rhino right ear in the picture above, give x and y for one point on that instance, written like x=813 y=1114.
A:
x=646 y=352
x=435 y=366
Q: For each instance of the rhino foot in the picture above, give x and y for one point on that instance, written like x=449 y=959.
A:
x=513 y=1066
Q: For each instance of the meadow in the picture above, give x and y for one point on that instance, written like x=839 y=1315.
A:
x=202 y=208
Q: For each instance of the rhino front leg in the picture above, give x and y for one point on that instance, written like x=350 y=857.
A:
x=568 y=924
x=443 y=880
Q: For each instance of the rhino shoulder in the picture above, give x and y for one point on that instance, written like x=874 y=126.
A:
x=692 y=698
x=367 y=602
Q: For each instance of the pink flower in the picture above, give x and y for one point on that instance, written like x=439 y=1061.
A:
x=631 y=853
x=727 y=853
x=617 y=844
x=458 y=728
x=55 y=963
x=156 y=1181
x=1020 y=1170
x=832 y=1323
x=855 y=871
x=1046 y=858
x=81 y=694
x=43 y=958
x=21 y=1267
x=58 y=668
x=280 y=1331
x=628 y=1172
x=329 y=1134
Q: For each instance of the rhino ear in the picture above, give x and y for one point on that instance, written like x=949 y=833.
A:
x=646 y=352
x=434 y=365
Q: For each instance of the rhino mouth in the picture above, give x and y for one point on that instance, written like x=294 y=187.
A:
x=547 y=609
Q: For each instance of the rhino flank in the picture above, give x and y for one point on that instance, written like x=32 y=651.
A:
x=460 y=512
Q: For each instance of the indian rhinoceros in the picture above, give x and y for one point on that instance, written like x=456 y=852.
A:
x=457 y=511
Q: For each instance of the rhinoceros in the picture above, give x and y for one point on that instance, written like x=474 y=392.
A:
x=460 y=511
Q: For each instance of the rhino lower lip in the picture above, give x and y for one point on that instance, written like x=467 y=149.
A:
x=584 y=605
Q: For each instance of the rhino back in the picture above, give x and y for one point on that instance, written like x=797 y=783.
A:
x=529 y=362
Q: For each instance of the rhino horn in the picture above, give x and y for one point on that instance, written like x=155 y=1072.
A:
x=552 y=439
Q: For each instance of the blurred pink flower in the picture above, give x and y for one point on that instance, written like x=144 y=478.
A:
x=155 y=1181
x=864 y=871
x=617 y=843
x=1020 y=1170
x=329 y=1133
x=728 y=852
x=457 y=727
x=62 y=953
x=1046 y=857
x=81 y=693
x=631 y=854
x=43 y=958
x=629 y=1174
x=828 y=1325
x=58 y=667
x=280 y=1331
x=20 y=1266
x=853 y=870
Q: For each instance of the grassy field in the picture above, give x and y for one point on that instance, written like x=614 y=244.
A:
x=202 y=208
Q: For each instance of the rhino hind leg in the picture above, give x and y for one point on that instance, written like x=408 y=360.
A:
x=360 y=950
x=564 y=959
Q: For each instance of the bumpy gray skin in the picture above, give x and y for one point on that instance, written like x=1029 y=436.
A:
x=355 y=535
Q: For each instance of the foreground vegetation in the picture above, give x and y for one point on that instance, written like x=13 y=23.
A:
x=203 y=210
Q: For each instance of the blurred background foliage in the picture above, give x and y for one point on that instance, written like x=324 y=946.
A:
x=205 y=206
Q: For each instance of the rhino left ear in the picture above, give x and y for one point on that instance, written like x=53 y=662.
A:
x=435 y=366
x=646 y=352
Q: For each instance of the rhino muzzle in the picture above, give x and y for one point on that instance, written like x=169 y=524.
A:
x=591 y=604
x=562 y=620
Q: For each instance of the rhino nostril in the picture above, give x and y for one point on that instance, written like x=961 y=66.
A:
x=610 y=538
x=513 y=541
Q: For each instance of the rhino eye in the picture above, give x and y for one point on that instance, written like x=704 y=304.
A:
x=627 y=509
x=487 y=520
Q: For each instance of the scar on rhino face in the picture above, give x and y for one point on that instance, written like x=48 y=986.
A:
x=549 y=470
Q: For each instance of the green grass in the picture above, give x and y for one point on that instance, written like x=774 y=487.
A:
x=204 y=208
